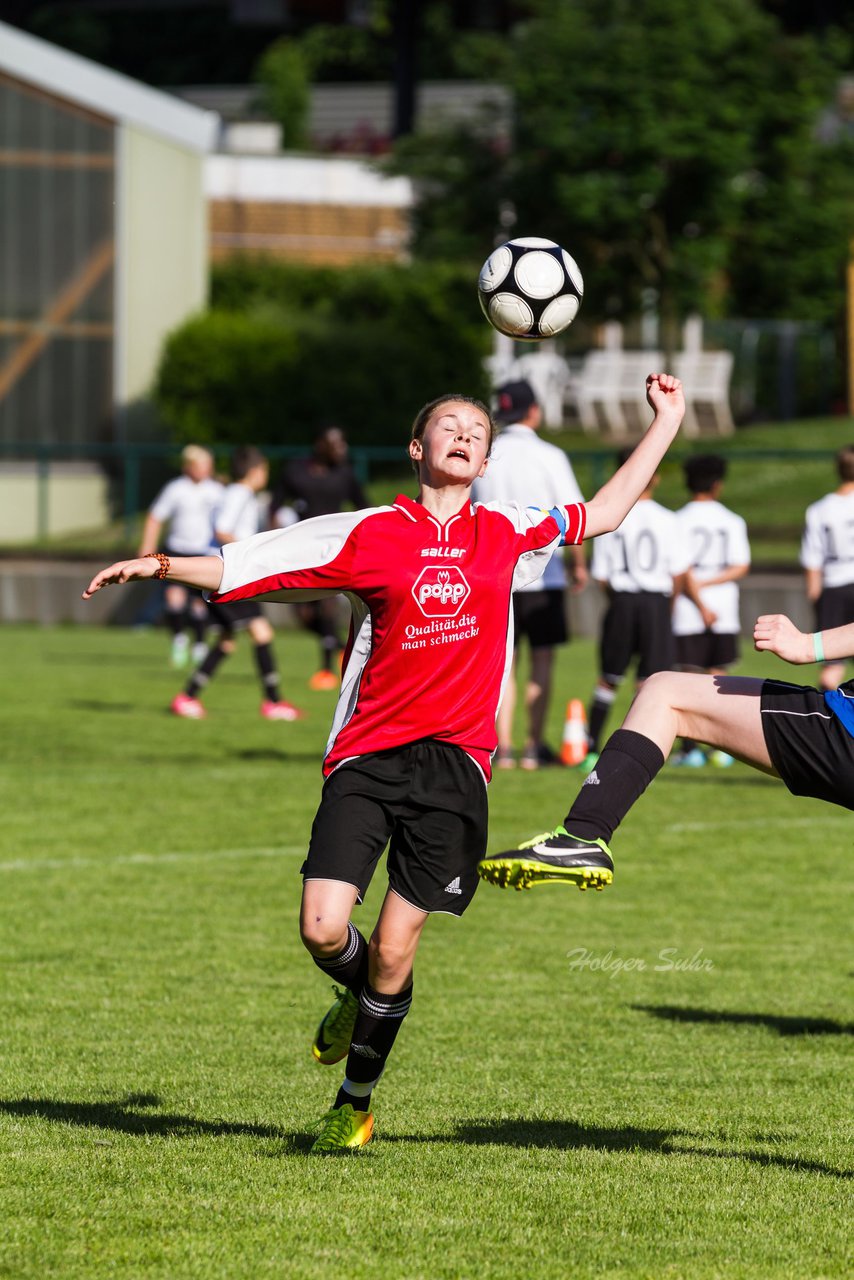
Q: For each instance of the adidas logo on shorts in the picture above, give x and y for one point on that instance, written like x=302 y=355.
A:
x=592 y=780
x=454 y=886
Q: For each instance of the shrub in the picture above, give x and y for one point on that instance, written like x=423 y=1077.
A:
x=286 y=349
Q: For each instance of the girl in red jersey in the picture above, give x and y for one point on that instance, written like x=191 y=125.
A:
x=430 y=583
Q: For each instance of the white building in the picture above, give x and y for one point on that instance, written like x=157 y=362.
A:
x=103 y=250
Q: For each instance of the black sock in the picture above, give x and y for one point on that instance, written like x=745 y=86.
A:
x=205 y=670
x=349 y=966
x=687 y=744
x=266 y=663
x=329 y=647
x=626 y=767
x=199 y=624
x=377 y=1024
x=603 y=700
x=175 y=619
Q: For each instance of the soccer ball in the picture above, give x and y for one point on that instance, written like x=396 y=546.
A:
x=530 y=289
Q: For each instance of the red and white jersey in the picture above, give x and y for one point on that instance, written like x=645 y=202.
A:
x=431 y=637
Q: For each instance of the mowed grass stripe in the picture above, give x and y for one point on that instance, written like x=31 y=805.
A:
x=143 y=859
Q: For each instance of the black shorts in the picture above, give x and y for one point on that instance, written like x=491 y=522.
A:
x=541 y=616
x=637 y=624
x=835 y=607
x=234 y=617
x=809 y=746
x=427 y=801
x=707 y=650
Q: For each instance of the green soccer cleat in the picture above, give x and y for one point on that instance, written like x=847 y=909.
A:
x=552 y=858
x=332 y=1041
x=342 y=1128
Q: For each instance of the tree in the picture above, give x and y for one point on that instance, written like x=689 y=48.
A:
x=651 y=138
x=283 y=74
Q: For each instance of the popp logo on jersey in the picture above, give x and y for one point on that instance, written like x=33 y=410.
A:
x=440 y=593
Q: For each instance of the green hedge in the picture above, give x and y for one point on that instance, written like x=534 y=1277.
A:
x=287 y=348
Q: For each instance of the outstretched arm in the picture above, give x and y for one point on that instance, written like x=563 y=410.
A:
x=607 y=509
x=204 y=572
x=775 y=633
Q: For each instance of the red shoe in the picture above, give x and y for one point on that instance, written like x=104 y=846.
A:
x=280 y=711
x=189 y=708
x=323 y=680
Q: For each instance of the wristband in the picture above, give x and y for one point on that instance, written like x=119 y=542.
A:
x=817 y=646
x=163 y=560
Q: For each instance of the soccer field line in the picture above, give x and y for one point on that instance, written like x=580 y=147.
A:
x=150 y=859
x=825 y=819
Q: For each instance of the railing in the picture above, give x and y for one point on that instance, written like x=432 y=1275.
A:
x=124 y=464
x=131 y=468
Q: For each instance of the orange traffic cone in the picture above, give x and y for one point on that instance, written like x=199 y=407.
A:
x=573 y=747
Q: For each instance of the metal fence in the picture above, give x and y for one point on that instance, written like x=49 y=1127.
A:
x=134 y=472
x=131 y=474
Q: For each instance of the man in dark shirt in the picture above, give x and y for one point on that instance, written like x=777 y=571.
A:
x=320 y=484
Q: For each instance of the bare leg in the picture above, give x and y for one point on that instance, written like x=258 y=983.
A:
x=261 y=630
x=504 y=719
x=537 y=694
x=831 y=675
x=722 y=711
x=391 y=950
x=325 y=914
x=176 y=597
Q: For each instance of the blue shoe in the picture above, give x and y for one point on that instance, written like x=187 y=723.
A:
x=721 y=759
x=693 y=759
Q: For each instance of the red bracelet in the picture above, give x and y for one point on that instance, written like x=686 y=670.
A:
x=163 y=560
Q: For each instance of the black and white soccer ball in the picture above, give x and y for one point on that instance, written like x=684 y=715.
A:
x=530 y=289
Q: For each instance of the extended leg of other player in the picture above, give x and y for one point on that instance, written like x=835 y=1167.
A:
x=723 y=711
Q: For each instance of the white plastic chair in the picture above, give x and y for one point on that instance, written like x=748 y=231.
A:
x=706 y=377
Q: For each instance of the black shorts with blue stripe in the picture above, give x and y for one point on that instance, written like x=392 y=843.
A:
x=809 y=746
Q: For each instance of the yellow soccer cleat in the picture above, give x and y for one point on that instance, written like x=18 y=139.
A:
x=552 y=858
x=342 y=1129
x=332 y=1041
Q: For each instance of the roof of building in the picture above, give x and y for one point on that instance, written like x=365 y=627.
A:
x=303 y=179
x=66 y=75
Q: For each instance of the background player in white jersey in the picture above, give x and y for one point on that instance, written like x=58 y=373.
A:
x=240 y=515
x=640 y=566
x=429 y=582
x=522 y=466
x=707 y=627
x=185 y=507
x=827 y=556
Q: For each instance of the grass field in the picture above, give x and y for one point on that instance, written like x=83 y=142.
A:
x=654 y=1081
